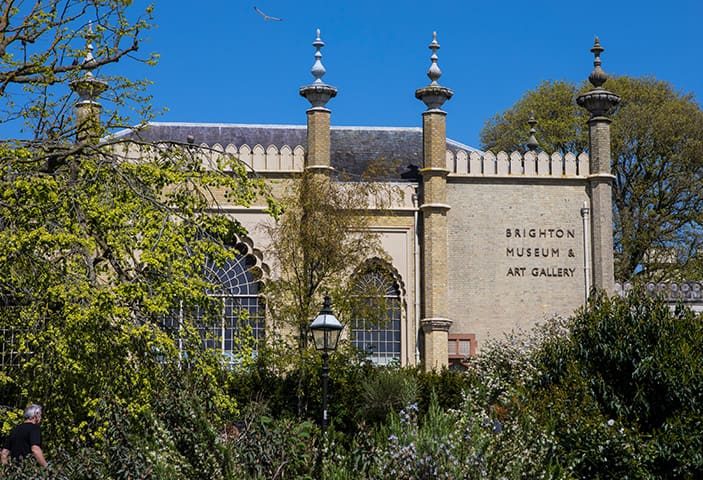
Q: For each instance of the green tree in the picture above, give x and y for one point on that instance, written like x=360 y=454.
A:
x=321 y=238
x=98 y=249
x=43 y=46
x=657 y=150
x=561 y=128
x=317 y=246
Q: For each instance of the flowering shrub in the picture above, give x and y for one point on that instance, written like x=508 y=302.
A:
x=414 y=450
x=614 y=392
x=274 y=448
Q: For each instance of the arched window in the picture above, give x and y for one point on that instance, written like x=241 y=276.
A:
x=238 y=319
x=241 y=321
x=380 y=340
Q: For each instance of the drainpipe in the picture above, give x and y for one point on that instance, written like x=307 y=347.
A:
x=585 y=215
x=416 y=317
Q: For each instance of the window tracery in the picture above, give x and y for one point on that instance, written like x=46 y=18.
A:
x=380 y=340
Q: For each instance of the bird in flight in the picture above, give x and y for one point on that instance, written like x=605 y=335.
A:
x=267 y=17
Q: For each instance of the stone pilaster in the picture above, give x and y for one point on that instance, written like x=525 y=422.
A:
x=88 y=127
x=599 y=102
x=317 y=157
x=434 y=315
x=436 y=342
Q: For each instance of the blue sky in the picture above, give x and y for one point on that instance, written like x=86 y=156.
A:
x=221 y=62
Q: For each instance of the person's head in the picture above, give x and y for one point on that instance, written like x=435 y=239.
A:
x=33 y=412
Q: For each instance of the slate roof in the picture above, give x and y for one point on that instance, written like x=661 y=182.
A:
x=353 y=149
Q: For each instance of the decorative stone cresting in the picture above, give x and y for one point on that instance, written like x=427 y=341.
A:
x=671 y=292
x=529 y=164
x=258 y=158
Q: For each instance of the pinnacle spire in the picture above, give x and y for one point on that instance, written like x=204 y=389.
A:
x=318 y=93
x=598 y=101
x=597 y=77
x=434 y=71
x=89 y=60
x=434 y=95
x=88 y=87
x=318 y=69
x=532 y=142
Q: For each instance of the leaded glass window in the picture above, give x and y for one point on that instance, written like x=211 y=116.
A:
x=380 y=340
x=240 y=319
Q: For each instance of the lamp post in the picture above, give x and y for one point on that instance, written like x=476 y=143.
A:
x=325 y=331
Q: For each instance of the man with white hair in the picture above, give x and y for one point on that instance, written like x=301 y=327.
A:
x=25 y=438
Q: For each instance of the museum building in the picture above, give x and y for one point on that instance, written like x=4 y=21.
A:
x=478 y=244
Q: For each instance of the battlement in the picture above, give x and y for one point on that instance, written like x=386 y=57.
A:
x=459 y=162
x=258 y=158
x=685 y=292
x=530 y=164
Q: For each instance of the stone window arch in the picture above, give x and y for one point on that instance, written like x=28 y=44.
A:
x=380 y=340
x=238 y=318
x=237 y=285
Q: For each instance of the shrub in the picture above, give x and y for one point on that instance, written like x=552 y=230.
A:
x=274 y=448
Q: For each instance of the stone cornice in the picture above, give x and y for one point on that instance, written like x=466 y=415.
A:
x=326 y=168
x=318 y=94
x=430 y=171
x=601 y=177
x=434 y=97
x=598 y=101
x=435 y=206
x=437 y=324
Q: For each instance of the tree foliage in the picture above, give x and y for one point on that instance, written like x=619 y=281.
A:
x=561 y=128
x=322 y=238
x=43 y=47
x=657 y=160
x=98 y=250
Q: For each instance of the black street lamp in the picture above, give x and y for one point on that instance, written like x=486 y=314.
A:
x=325 y=331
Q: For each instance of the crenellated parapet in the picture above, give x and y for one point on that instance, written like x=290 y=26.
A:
x=258 y=158
x=271 y=159
x=529 y=164
x=672 y=292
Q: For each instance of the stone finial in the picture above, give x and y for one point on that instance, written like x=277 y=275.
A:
x=597 y=76
x=88 y=87
x=89 y=60
x=434 y=95
x=532 y=142
x=598 y=101
x=318 y=93
x=434 y=71
x=318 y=70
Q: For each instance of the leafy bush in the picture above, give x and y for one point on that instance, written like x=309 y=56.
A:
x=386 y=391
x=274 y=448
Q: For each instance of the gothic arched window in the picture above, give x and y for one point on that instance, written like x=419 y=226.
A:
x=380 y=340
x=237 y=318
x=241 y=320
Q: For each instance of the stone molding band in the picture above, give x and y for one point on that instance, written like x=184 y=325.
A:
x=601 y=177
x=431 y=170
x=435 y=206
x=436 y=324
x=320 y=167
